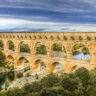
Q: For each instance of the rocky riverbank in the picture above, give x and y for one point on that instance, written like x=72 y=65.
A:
x=28 y=77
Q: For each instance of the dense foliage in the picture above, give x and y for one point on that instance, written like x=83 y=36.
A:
x=57 y=47
x=78 y=48
x=2 y=59
x=24 y=48
x=1 y=45
x=80 y=83
x=5 y=64
x=41 y=49
x=11 y=45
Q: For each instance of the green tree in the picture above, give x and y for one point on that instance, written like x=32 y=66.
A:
x=41 y=49
x=49 y=80
x=72 y=37
x=65 y=38
x=2 y=58
x=15 y=92
x=31 y=88
x=83 y=75
x=1 y=45
x=80 y=38
x=24 y=48
x=54 y=91
x=69 y=83
x=57 y=47
x=11 y=45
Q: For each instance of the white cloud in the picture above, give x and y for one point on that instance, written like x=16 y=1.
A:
x=25 y=25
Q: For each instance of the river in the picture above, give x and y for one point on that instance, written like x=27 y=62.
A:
x=82 y=56
x=6 y=79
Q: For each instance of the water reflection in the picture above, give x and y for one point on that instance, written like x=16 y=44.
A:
x=82 y=56
x=6 y=79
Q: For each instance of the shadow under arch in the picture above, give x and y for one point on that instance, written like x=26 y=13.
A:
x=39 y=64
x=73 y=68
x=59 y=50
x=57 y=67
x=10 y=60
x=10 y=57
x=22 y=61
x=81 y=52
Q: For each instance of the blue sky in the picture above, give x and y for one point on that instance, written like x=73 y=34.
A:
x=48 y=15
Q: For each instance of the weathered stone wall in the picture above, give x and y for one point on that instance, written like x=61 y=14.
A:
x=48 y=39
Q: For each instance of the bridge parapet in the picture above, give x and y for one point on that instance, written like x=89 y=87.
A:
x=66 y=39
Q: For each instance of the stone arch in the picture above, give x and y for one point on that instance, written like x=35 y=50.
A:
x=82 y=43
x=40 y=48
x=23 y=46
x=57 y=67
x=1 y=45
x=21 y=61
x=83 y=49
x=38 y=64
x=59 y=50
x=73 y=68
x=10 y=58
x=10 y=45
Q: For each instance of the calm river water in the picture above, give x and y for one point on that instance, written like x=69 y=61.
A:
x=82 y=56
x=6 y=79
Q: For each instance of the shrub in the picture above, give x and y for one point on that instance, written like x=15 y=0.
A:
x=69 y=84
x=58 y=37
x=72 y=37
x=80 y=38
x=19 y=75
x=49 y=80
x=28 y=74
x=51 y=37
x=65 y=38
x=57 y=47
x=34 y=87
x=3 y=93
x=54 y=91
x=83 y=75
x=15 y=92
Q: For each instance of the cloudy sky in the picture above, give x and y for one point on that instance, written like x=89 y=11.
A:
x=47 y=15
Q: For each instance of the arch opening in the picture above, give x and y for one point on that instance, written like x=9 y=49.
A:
x=59 y=50
x=73 y=68
x=39 y=64
x=10 y=45
x=57 y=67
x=24 y=47
x=24 y=63
x=41 y=49
x=10 y=58
x=81 y=52
x=1 y=45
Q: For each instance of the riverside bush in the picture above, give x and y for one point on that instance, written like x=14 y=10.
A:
x=19 y=75
x=80 y=83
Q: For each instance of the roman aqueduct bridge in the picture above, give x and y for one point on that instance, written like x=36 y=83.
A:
x=66 y=39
